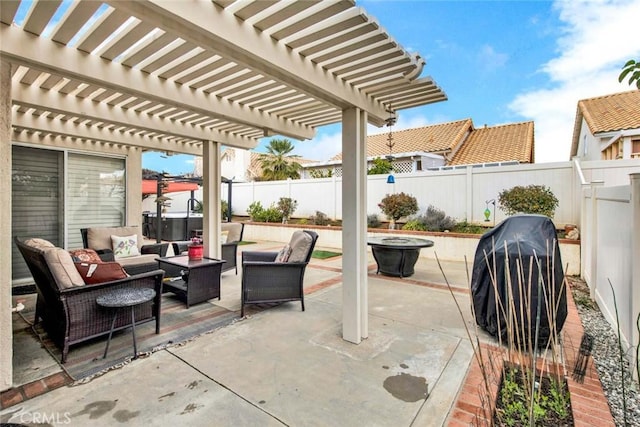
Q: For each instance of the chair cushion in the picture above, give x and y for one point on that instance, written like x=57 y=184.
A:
x=224 y=237
x=62 y=268
x=284 y=254
x=85 y=255
x=234 y=229
x=300 y=245
x=100 y=237
x=39 y=244
x=125 y=246
x=138 y=260
x=102 y=272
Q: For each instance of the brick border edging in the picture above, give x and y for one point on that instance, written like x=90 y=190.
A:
x=19 y=394
x=589 y=404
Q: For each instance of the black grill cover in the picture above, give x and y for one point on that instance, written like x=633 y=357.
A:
x=522 y=238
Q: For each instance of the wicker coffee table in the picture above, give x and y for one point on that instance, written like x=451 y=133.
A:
x=121 y=298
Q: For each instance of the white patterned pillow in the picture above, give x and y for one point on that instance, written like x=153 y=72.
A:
x=283 y=255
x=125 y=246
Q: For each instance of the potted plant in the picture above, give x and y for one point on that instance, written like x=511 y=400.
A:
x=396 y=206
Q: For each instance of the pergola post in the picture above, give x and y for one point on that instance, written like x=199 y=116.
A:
x=6 y=333
x=355 y=325
x=211 y=217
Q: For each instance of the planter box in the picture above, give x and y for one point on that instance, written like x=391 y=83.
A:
x=448 y=246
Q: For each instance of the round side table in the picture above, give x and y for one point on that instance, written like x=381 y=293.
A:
x=121 y=298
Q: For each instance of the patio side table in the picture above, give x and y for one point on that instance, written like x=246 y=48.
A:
x=121 y=298
x=197 y=280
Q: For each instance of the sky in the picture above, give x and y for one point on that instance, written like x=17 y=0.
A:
x=498 y=62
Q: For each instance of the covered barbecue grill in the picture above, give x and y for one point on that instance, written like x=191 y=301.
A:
x=512 y=262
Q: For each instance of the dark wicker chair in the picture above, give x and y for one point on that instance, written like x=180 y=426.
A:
x=229 y=250
x=71 y=316
x=266 y=281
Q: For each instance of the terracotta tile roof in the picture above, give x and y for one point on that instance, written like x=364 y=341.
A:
x=612 y=112
x=607 y=113
x=439 y=138
x=497 y=144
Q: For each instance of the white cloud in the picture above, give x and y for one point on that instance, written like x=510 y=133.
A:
x=322 y=148
x=598 y=38
x=491 y=60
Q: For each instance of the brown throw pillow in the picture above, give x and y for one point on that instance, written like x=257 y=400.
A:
x=103 y=272
x=85 y=255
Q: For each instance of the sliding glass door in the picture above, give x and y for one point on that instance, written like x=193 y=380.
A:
x=55 y=193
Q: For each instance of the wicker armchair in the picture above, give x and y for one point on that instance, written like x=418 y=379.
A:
x=265 y=280
x=229 y=250
x=71 y=315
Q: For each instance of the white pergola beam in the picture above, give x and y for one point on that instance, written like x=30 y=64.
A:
x=74 y=130
x=212 y=28
x=33 y=97
x=22 y=48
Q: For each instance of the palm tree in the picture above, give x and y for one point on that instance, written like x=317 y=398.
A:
x=277 y=163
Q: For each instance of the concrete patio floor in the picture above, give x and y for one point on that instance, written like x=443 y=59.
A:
x=283 y=366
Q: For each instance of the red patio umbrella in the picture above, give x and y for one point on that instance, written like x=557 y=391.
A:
x=150 y=186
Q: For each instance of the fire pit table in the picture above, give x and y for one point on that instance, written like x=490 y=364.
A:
x=396 y=256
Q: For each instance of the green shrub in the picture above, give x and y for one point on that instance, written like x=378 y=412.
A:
x=224 y=207
x=533 y=199
x=468 y=228
x=415 y=225
x=321 y=173
x=437 y=220
x=272 y=214
x=255 y=211
x=380 y=166
x=396 y=206
x=260 y=214
x=373 y=221
x=319 y=218
x=432 y=220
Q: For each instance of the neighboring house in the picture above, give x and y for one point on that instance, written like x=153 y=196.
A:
x=440 y=146
x=510 y=143
x=240 y=165
x=608 y=127
x=445 y=145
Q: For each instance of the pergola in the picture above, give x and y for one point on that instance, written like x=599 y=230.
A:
x=190 y=76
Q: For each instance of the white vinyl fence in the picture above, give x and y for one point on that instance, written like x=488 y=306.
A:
x=461 y=193
x=611 y=253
